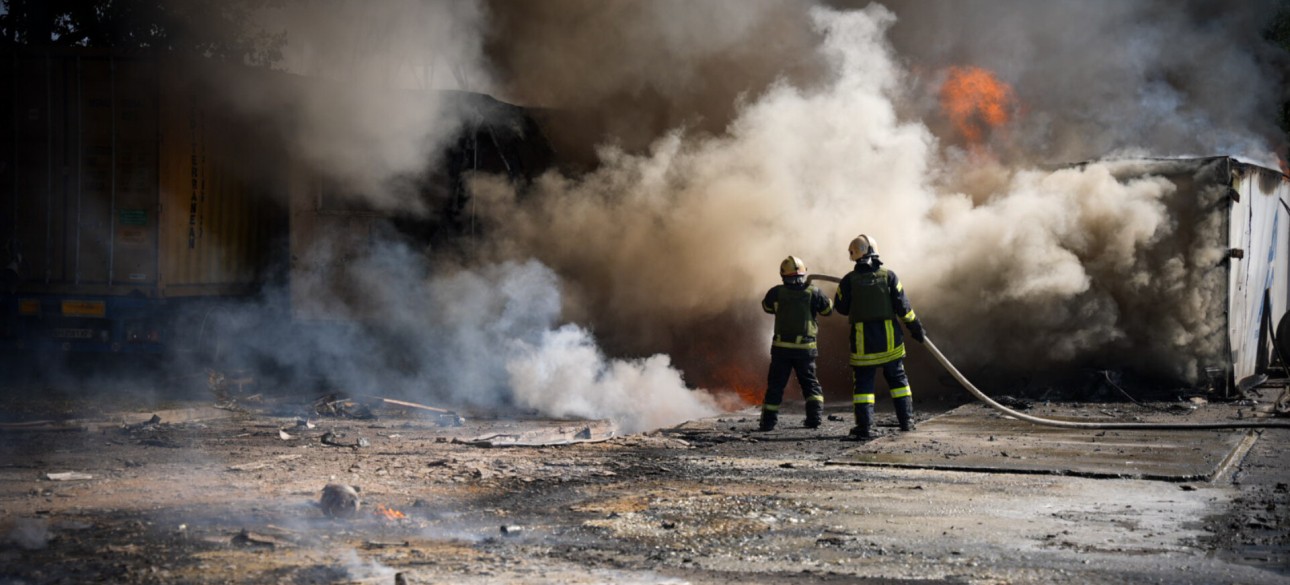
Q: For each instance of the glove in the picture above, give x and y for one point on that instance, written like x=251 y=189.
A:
x=916 y=330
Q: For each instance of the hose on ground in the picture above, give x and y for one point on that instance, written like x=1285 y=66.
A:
x=1134 y=426
x=949 y=367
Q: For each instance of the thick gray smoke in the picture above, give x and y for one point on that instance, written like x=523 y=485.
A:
x=365 y=115
x=1017 y=266
x=486 y=337
x=1104 y=77
x=729 y=134
x=363 y=112
x=625 y=73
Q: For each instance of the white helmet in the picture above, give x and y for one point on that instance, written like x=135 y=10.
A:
x=862 y=246
x=792 y=266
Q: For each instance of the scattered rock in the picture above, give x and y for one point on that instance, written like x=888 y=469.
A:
x=340 y=501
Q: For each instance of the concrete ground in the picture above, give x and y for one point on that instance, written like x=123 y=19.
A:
x=212 y=496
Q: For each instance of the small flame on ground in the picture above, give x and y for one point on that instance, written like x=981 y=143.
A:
x=389 y=513
x=976 y=102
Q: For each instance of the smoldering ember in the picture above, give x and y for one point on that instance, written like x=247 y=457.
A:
x=557 y=291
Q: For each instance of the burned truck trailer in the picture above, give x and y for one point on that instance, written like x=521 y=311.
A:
x=1209 y=293
x=124 y=200
x=135 y=203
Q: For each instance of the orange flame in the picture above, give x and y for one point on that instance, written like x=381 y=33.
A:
x=744 y=383
x=389 y=513
x=976 y=102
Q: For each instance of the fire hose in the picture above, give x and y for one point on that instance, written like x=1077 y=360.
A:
x=1140 y=426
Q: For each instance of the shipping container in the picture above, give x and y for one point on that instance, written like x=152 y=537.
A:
x=135 y=204
x=125 y=199
x=1215 y=285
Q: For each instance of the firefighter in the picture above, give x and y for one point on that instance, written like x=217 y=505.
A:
x=795 y=305
x=873 y=299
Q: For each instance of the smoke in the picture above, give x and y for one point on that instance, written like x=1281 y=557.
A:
x=566 y=374
x=1105 y=77
x=627 y=72
x=28 y=533
x=697 y=224
x=489 y=337
x=364 y=111
x=1016 y=265
x=730 y=134
x=1087 y=263
x=362 y=569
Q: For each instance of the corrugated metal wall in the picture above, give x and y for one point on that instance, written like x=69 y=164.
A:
x=117 y=178
x=222 y=213
x=1259 y=281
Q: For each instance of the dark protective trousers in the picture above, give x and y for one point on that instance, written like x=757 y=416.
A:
x=781 y=367
x=893 y=371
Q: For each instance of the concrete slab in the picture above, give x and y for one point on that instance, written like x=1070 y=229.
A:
x=975 y=438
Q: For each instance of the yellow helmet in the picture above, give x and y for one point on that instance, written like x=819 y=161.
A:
x=792 y=266
x=862 y=246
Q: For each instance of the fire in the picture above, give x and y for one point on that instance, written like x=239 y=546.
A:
x=389 y=513
x=744 y=383
x=976 y=102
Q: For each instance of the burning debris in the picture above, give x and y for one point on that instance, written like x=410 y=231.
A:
x=388 y=513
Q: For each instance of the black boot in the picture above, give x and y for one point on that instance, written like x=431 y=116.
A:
x=905 y=412
x=814 y=409
x=863 y=431
x=768 y=420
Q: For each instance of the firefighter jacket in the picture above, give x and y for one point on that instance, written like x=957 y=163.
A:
x=795 y=307
x=873 y=299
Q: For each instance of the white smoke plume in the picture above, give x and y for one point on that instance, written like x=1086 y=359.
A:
x=1017 y=265
x=729 y=134
x=488 y=337
x=566 y=374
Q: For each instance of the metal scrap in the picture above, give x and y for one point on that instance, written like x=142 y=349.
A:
x=145 y=425
x=338 y=405
x=68 y=476
x=595 y=432
x=446 y=417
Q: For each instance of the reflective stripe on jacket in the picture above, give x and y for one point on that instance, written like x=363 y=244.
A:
x=795 y=308
x=874 y=341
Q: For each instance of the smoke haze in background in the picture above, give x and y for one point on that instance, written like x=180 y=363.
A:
x=366 y=118
x=1102 y=78
x=625 y=73
x=999 y=257
x=730 y=134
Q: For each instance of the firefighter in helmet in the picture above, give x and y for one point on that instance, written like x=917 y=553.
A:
x=873 y=299
x=795 y=305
